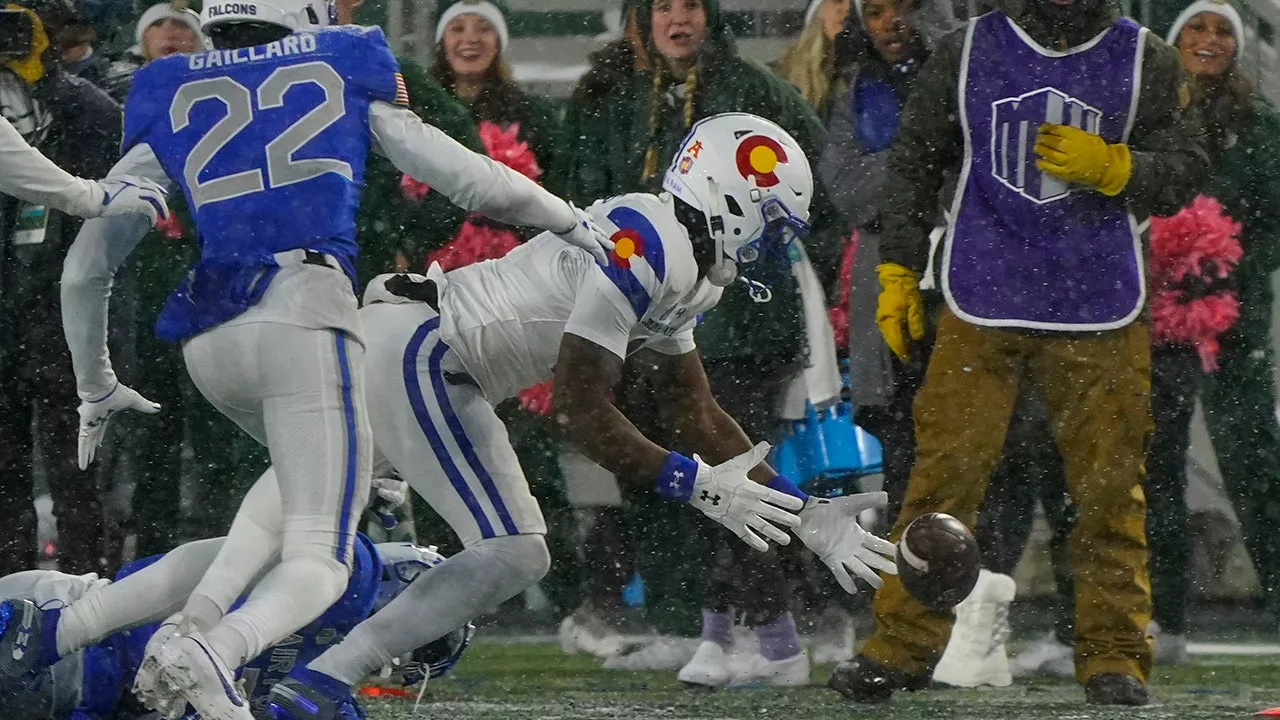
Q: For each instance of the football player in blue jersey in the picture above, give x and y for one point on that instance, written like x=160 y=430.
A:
x=444 y=349
x=92 y=683
x=267 y=136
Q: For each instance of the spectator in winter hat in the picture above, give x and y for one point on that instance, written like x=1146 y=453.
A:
x=470 y=62
x=164 y=29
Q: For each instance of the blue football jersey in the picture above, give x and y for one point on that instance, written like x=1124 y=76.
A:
x=110 y=666
x=269 y=145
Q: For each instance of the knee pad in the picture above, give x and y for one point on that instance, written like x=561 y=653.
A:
x=525 y=558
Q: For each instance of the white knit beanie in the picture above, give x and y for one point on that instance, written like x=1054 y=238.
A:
x=484 y=9
x=164 y=11
x=1217 y=7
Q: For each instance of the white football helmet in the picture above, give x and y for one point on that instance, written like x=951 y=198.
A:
x=753 y=182
x=291 y=14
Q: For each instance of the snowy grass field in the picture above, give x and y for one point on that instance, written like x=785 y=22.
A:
x=534 y=681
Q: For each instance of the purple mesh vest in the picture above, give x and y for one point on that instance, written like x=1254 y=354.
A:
x=1024 y=249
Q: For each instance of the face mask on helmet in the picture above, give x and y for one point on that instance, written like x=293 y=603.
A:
x=753 y=184
x=766 y=261
x=402 y=563
x=435 y=659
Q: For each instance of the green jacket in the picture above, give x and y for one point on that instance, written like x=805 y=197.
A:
x=1246 y=180
x=1168 y=162
x=608 y=141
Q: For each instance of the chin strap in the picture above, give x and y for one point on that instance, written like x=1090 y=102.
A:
x=723 y=271
x=759 y=291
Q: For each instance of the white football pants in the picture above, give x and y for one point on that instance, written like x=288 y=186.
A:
x=299 y=391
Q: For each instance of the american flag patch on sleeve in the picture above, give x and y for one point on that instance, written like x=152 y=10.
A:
x=402 y=92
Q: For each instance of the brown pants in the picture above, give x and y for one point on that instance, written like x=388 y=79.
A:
x=1095 y=388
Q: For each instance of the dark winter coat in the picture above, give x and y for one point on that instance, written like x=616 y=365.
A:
x=1168 y=162
x=864 y=123
x=1245 y=178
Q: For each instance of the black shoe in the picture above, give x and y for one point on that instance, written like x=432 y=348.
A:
x=867 y=681
x=1115 y=689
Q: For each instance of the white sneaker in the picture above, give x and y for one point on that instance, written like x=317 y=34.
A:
x=1046 y=657
x=976 y=655
x=661 y=653
x=833 y=639
x=1170 y=649
x=754 y=669
x=586 y=632
x=190 y=668
x=709 y=666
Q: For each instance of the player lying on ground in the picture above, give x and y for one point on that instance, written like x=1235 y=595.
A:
x=268 y=135
x=443 y=350
x=28 y=175
x=105 y=627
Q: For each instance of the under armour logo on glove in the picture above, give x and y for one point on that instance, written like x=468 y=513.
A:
x=753 y=512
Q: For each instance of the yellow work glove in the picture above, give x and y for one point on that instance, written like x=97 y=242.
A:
x=900 y=309
x=1073 y=155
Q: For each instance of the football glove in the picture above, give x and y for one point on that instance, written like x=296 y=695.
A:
x=830 y=529
x=1073 y=155
x=725 y=494
x=900 y=308
x=386 y=495
x=95 y=414
x=587 y=235
x=127 y=195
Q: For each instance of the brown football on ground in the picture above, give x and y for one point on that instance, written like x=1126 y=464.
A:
x=938 y=561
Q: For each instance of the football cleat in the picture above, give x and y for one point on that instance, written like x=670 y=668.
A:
x=27 y=640
x=309 y=695
x=191 y=670
x=866 y=681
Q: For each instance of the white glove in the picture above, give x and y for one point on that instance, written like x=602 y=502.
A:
x=128 y=195
x=389 y=492
x=386 y=495
x=94 y=416
x=588 y=236
x=725 y=494
x=830 y=529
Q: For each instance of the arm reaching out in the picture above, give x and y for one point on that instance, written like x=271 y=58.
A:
x=28 y=175
x=477 y=183
x=585 y=372
x=87 y=276
x=827 y=527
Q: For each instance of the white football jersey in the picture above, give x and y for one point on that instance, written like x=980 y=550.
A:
x=504 y=318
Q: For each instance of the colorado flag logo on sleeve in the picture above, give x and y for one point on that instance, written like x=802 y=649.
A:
x=637 y=259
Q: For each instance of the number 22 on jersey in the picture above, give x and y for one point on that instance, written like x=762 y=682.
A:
x=244 y=107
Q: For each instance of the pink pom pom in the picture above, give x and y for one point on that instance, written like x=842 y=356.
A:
x=506 y=147
x=474 y=242
x=1191 y=253
x=413 y=189
x=537 y=399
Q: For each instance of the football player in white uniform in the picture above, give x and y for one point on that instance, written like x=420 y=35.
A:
x=30 y=176
x=444 y=349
